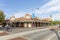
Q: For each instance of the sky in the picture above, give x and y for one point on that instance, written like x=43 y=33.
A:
x=41 y=8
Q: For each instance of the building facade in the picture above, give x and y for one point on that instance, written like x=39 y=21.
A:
x=28 y=21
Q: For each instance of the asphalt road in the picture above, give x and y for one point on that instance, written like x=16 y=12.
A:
x=18 y=30
x=15 y=30
x=56 y=37
x=42 y=35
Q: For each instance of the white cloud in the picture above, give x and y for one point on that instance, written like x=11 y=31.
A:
x=20 y=14
x=56 y=17
x=51 y=6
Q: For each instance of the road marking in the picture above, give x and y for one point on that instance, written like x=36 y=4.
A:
x=49 y=37
x=52 y=36
x=20 y=34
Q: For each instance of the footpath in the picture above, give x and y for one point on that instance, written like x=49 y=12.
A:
x=18 y=36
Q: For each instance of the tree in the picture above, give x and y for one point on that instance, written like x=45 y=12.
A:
x=55 y=22
x=2 y=17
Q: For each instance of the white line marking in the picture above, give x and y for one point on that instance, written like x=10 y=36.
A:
x=20 y=34
x=49 y=37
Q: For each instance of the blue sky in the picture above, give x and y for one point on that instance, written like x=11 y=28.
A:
x=19 y=8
